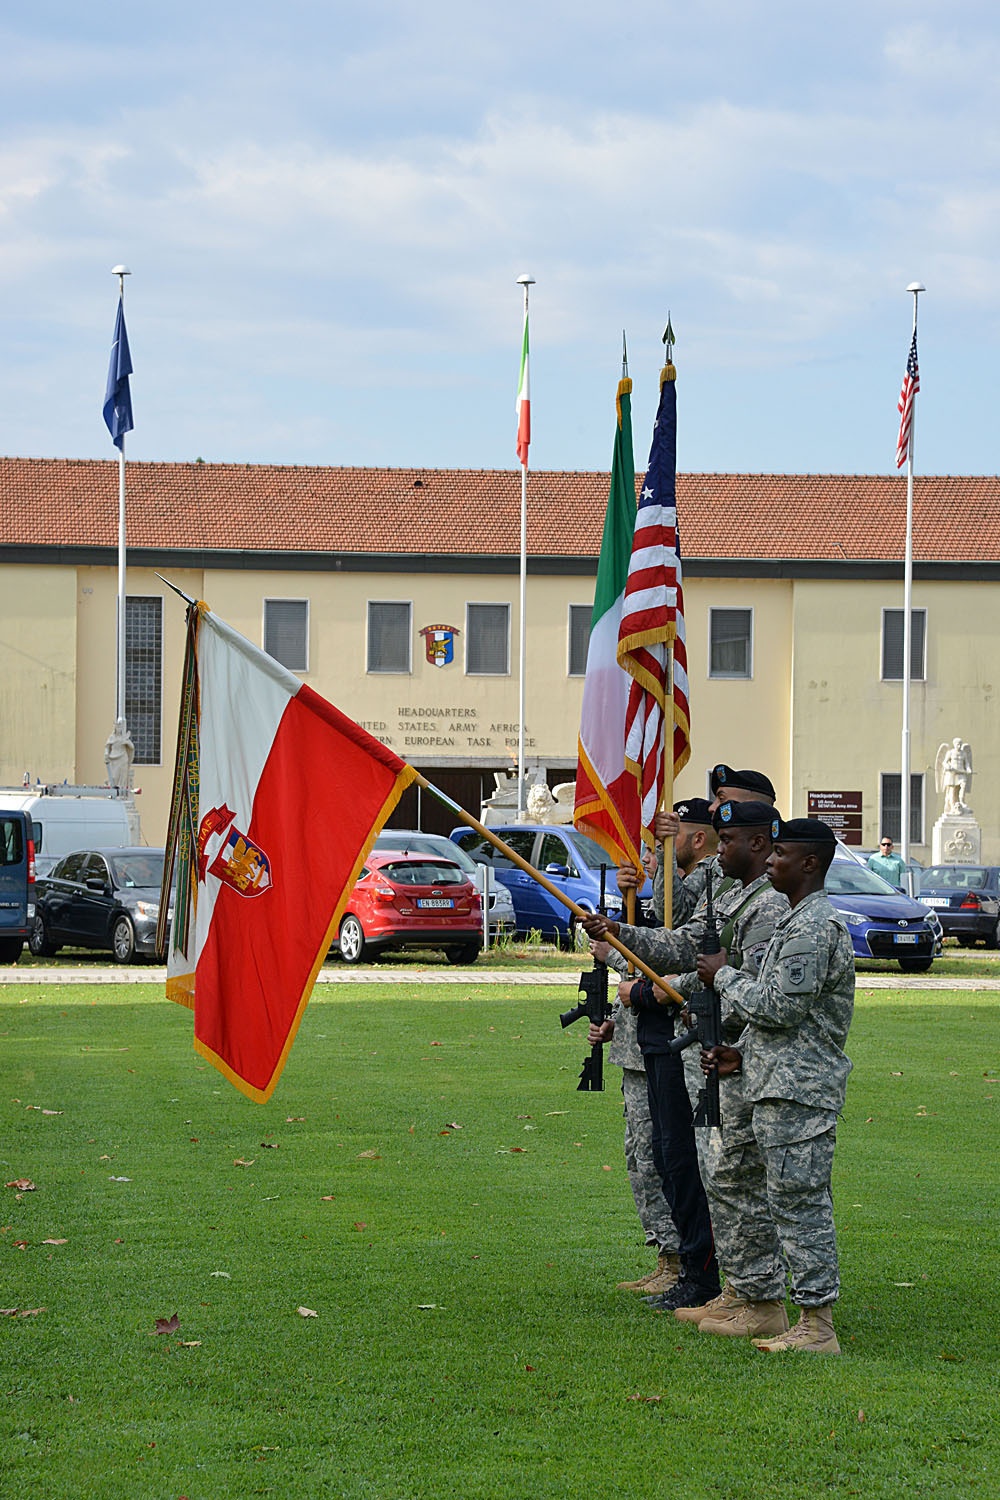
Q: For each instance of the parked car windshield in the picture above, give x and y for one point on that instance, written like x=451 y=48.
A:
x=845 y=878
x=137 y=869
x=425 y=843
x=423 y=872
x=954 y=878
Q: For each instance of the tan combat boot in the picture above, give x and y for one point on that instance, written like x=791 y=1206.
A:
x=813 y=1334
x=750 y=1320
x=727 y=1300
x=666 y=1274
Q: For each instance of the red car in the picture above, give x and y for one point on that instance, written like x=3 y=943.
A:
x=412 y=901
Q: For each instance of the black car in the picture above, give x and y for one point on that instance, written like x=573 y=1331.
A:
x=100 y=898
x=966 y=899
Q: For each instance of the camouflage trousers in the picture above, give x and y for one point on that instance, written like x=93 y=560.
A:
x=644 y=1179
x=766 y=1175
x=796 y=1144
x=733 y=1172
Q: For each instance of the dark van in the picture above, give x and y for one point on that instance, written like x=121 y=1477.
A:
x=17 y=884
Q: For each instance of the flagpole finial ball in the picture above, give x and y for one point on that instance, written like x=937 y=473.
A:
x=526 y=281
x=915 y=286
x=120 y=271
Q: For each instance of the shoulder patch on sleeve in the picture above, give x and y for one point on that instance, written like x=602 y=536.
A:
x=798 y=966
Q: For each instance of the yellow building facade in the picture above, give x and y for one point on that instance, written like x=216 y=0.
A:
x=794 y=662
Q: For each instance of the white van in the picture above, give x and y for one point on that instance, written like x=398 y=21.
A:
x=66 y=818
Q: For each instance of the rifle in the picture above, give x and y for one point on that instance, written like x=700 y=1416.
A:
x=593 y=1004
x=705 y=1012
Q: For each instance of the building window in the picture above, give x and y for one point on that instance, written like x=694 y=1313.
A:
x=730 y=643
x=144 y=676
x=286 y=632
x=892 y=645
x=389 y=637
x=890 y=812
x=487 y=639
x=579 y=638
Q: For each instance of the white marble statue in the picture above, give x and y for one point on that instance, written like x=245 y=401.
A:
x=118 y=755
x=555 y=806
x=952 y=775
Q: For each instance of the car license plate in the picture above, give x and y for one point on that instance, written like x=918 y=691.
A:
x=436 y=901
x=905 y=937
x=935 y=901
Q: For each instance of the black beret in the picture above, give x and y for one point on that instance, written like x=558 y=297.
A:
x=746 y=815
x=805 y=831
x=694 y=810
x=723 y=777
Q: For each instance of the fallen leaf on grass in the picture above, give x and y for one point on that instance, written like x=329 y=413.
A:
x=306 y=1312
x=643 y=1398
x=437 y=1044
x=167 y=1325
x=119 y=1179
x=360 y=1227
x=369 y=1155
x=328 y=1198
x=20 y=1312
x=269 y=1146
x=20 y=1244
x=294 y=1119
x=453 y=1125
x=427 y=1307
x=904 y=1283
x=605 y=1169
x=861 y=1415
x=954 y=1359
x=189 y=1344
x=226 y=1274
x=242 y=1162
x=22 y=1184
x=550 y=1112
x=42 y=1111
x=55 y=1242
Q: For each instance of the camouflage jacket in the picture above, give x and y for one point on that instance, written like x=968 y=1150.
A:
x=746 y=925
x=687 y=889
x=750 y=911
x=798 y=1009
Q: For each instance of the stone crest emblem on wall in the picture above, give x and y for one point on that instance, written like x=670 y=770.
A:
x=439 y=643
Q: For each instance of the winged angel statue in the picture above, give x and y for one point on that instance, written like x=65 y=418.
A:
x=952 y=775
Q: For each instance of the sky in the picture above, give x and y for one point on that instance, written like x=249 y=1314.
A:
x=325 y=208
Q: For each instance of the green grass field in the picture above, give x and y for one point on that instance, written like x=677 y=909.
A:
x=429 y=1183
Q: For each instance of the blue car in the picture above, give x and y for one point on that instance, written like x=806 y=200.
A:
x=570 y=860
x=882 y=922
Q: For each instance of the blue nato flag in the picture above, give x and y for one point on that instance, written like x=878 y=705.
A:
x=118 y=397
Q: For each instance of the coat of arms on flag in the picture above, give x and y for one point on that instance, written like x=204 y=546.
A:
x=439 y=643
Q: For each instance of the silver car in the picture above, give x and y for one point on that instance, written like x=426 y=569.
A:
x=413 y=841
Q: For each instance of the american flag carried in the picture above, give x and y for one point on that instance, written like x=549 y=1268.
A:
x=651 y=637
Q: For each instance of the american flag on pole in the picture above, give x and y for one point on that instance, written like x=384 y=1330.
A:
x=651 y=638
x=911 y=385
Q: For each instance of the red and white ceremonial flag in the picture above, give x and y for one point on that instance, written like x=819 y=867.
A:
x=651 y=638
x=911 y=385
x=278 y=797
x=523 y=406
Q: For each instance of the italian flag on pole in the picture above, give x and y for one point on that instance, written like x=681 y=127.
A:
x=607 y=800
x=523 y=406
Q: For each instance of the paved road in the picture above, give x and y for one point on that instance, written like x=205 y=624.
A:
x=382 y=974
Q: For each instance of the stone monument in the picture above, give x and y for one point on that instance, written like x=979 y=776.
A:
x=957 y=838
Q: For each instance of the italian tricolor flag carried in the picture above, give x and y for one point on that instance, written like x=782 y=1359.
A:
x=523 y=406
x=607 y=799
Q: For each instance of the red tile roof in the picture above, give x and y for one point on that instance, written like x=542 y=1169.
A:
x=257 y=507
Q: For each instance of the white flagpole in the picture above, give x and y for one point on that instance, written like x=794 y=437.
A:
x=121 y=272
x=904 y=780
x=525 y=282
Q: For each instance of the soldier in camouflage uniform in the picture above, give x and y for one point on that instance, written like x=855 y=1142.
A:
x=797 y=1014
x=745 y=1236
x=697 y=836
x=670 y=1106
